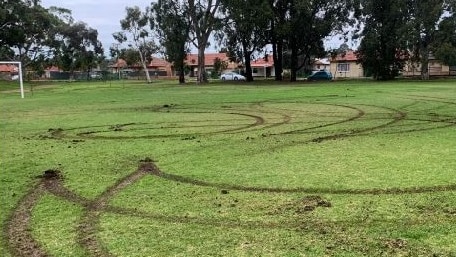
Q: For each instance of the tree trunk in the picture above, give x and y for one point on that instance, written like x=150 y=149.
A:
x=143 y=62
x=202 y=78
x=424 y=62
x=181 y=73
x=294 y=61
x=277 y=52
x=248 y=66
x=248 y=71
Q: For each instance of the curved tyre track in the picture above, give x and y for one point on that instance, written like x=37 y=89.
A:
x=18 y=232
x=21 y=242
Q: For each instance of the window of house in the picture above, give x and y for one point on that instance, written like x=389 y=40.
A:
x=254 y=70
x=343 y=67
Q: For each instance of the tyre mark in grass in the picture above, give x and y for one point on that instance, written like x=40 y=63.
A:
x=399 y=116
x=369 y=191
x=89 y=224
x=360 y=113
x=21 y=242
x=18 y=230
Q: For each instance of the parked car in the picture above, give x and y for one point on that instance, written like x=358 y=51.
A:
x=232 y=76
x=96 y=76
x=320 y=75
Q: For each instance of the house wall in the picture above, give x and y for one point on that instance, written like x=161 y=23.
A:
x=263 y=72
x=435 y=69
x=317 y=67
x=355 y=70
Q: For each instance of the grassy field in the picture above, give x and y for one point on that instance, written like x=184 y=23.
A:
x=353 y=168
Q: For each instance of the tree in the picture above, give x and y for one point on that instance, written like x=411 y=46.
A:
x=383 y=49
x=425 y=16
x=219 y=66
x=204 y=20
x=309 y=23
x=299 y=27
x=27 y=31
x=246 y=29
x=445 y=41
x=277 y=33
x=173 y=27
x=79 y=47
x=135 y=32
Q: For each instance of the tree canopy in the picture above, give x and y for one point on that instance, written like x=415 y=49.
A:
x=38 y=37
x=391 y=32
x=383 y=50
x=172 y=23
x=136 y=33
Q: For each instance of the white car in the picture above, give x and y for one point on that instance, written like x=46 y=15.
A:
x=232 y=76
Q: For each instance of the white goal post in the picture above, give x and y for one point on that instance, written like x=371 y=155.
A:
x=20 y=75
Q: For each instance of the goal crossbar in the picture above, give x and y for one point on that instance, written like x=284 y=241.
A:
x=20 y=75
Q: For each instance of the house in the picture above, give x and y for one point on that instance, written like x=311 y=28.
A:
x=346 y=65
x=54 y=72
x=321 y=64
x=263 y=67
x=161 y=67
x=156 y=67
x=435 y=67
x=209 y=60
x=119 y=65
x=7 y=71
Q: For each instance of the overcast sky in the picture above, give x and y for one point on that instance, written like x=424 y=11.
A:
x=102 y=15
x=105 y=16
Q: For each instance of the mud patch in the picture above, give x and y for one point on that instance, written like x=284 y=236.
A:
x=51 y=174
x=53 y=133
x=306 y=204
x=395 y=243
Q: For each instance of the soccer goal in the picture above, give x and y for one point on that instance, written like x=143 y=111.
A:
x=19 y=70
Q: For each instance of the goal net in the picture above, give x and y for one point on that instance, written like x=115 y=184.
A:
x=19 y=77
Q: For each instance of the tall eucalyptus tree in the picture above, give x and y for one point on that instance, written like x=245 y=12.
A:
x=246 y=29
x=205 y=19
x=172 y=24
x=136 y=32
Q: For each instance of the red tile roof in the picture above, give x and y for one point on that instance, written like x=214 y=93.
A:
x=158 y=62
x=119 y=64
x=261 y=62
x=347 y=56
x=52 y=68
x=8 y=68
x=192 y=59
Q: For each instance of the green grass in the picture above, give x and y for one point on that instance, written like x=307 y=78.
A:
x=352 y=168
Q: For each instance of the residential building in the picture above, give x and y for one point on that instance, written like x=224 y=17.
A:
x=209 y=60
x=321 y=64
x=157 y=67
x=7 y=71
x=161 y=67
x=346 y=66
x=263 y=67
x=435 y=67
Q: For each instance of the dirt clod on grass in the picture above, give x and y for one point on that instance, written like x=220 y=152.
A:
x=306 y=204
x=396 y=243
x=147 y=165
x=51 y=174
x=310 y=203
